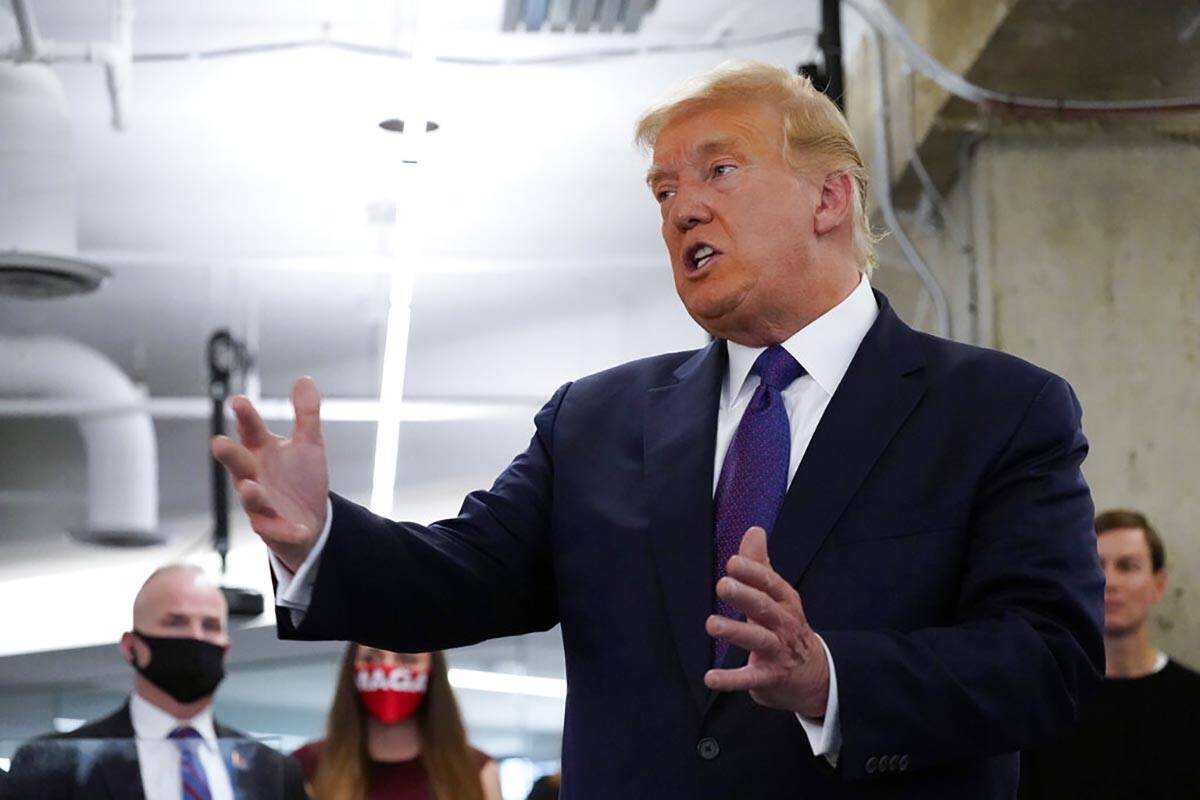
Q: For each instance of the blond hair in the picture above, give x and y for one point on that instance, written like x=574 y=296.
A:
x=817 y=139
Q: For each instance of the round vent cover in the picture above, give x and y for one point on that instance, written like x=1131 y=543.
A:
x=36 y=276
x=118 y=538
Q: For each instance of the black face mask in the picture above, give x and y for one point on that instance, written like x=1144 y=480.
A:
x=186 y=669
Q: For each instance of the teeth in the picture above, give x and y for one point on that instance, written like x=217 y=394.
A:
x=702 y=255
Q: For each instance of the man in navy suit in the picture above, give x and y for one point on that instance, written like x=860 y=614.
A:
x=163 y=742
x=825 y=556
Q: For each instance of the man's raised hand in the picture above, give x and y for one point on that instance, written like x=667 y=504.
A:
x=283 y=483
x=786 y=667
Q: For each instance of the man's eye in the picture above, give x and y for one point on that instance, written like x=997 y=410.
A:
x=664 y=195
x=723 y=169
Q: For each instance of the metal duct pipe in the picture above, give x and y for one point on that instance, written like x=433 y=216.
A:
x=122 y=457
x=883 y=195
x=30 y=40
x=116 y=54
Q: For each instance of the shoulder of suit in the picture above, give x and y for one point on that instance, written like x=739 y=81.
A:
x=970 y=367
x=116 y=725
x=638 y=375
x=226 y=732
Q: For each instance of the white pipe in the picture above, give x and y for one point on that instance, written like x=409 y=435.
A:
x=881 y=19
x=30 y=41
x=122 y=457
x=116 y=55
x=883 y=195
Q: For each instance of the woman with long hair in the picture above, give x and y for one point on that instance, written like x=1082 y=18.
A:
x=394 y=733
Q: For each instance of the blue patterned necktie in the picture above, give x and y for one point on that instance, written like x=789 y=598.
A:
x=191 y=771
x=754 y=476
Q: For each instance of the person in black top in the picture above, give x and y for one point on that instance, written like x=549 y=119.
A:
x=1137 y=738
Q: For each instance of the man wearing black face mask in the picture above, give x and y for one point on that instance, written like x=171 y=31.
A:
x=164 y=743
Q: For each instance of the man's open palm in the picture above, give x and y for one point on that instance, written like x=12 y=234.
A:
x=283 y=483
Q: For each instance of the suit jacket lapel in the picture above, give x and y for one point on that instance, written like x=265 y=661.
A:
x=680 y=443
x=238 y=756
x=877 y=393
x=118 y=758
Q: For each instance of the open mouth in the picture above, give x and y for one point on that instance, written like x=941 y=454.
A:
x=699 y=255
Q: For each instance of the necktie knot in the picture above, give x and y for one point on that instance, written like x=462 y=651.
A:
x=184 y=733
x=776 y=367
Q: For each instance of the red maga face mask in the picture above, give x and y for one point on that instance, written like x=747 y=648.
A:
x=390 y=694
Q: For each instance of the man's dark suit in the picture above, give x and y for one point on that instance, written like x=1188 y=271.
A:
x=938 y=530
x=99 y=761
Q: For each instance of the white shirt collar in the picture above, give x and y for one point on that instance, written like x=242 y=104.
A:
x=152 y=723
x=824 y=347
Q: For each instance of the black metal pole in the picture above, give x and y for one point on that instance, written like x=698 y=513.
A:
x=830 y=41
x=221 y=356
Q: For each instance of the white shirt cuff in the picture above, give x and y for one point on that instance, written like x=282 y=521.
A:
x=294 y=591
x=825 y=735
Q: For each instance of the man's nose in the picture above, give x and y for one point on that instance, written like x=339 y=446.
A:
x=689 y=210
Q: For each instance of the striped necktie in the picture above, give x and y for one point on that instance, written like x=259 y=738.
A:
x=191 y=771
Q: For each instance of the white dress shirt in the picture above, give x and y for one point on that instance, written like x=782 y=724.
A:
x=825 y=347
x=159 y=758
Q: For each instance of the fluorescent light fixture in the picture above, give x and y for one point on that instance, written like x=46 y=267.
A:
x=508 y=683
x=67 y=724
x=391 y=391
x=582 y=16
x=407 y=246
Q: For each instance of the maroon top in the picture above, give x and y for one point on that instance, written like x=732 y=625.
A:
x=386 y=780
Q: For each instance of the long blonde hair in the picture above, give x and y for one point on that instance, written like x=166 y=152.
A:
x=342 y=771
x=817 y=138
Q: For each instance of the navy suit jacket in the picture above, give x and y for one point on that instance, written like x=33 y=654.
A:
x=938 y=530
x=99 y=761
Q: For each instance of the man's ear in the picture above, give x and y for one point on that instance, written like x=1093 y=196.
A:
x=836 y=203
x=127 y=646
x=1160 y=584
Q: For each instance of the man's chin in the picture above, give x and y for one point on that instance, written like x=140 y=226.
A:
x=719 y=317
x=1120 y=631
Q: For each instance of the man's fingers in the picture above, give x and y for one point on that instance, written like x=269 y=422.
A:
x=754 y=545
x=760 y=576
x=738 y=680
x=254 y=499
x=237 y=459
x=251 y=429
x=754 y=603
x=306 y=400
x=746 y=635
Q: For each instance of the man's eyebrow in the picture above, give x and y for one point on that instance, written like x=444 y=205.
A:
x=702 y=150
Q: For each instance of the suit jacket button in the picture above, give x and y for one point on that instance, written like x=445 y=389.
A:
x=872 y=765
x=904 y=762
x=708 y=749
